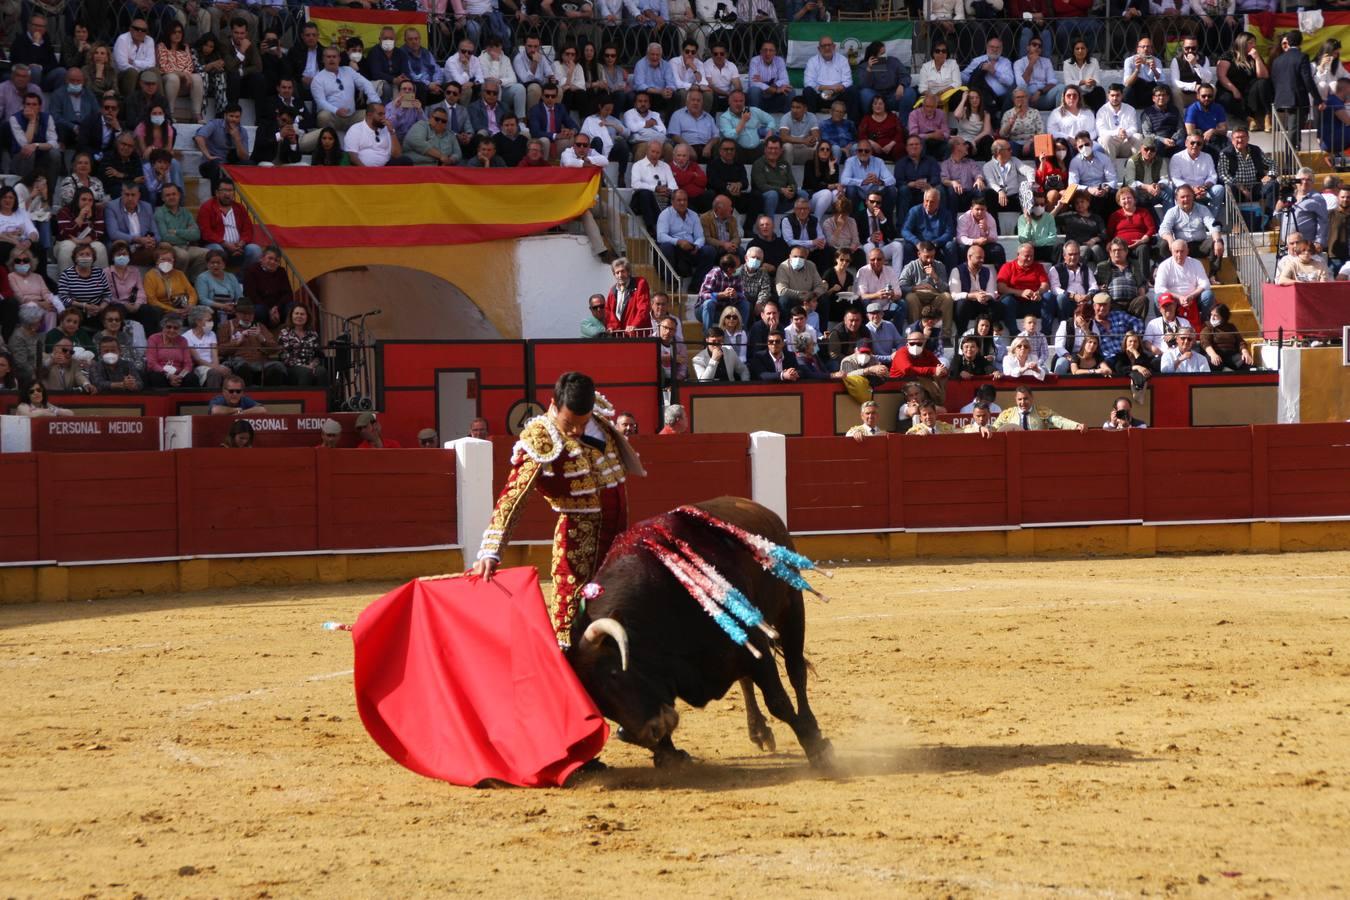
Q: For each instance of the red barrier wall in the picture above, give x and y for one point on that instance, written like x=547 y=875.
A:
x=1061 y=477
x=946 y=481
x=107 y=505
x=19 y=507
x=393 y=499
x=247 y=501
x=84 y=507
x=830 y=480
x=1307 y=467
x=687 y=468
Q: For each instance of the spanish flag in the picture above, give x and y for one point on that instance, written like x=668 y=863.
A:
x=399 y=206
x=336 y=24
x=1317 y=28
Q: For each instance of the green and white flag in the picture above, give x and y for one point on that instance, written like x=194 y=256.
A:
x=851 y=39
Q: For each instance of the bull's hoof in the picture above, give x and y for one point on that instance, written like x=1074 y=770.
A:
x=670 y=759
x=762 y=737
x=822 y=755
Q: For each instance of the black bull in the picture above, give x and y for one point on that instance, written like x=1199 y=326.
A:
x=644 y=641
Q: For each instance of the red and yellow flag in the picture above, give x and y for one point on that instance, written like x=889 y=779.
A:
x=1267 y=27
x=336 y=24
x=340 y=206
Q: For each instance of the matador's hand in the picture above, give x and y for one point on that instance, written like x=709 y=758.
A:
x=484 y=568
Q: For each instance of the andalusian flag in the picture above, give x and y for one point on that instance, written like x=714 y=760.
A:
x=337 y=23
x=1317 y=26
x=851 y=39
x=397 y=206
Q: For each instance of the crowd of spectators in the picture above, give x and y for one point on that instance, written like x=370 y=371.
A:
x=1118 y=189
x=906 y=167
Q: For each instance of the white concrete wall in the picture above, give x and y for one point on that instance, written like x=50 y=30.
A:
x=555 y=274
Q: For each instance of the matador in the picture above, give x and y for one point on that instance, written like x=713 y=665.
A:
x=579 y=461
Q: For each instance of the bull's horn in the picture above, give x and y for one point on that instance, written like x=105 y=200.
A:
x=596 y=631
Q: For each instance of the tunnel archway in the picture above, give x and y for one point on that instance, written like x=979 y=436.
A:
x=414 y=303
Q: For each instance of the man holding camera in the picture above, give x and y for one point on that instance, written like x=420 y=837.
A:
x=1122 y=417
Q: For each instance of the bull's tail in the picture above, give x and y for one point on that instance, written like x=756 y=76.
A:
x=777 y=648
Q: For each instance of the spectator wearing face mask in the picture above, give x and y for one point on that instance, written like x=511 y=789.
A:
x=167 y=288
x=919 y=364
x=202 y=342
x=110 y=372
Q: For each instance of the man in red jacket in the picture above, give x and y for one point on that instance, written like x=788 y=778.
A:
x=920 y=365
x=225 y=226
x=628 y=305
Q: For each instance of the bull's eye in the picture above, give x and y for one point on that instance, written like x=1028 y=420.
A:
x=615 y=672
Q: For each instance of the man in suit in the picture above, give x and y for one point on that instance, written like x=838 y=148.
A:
x=98 y=131
x=485 y=113
x=878 y=230
x=773 y=363
x=243 y=77
x=133 y=220
x=1295 y=90
x=72 y=106
x=714 y=364
x=1027 y=416
x=279 y=147
x=284 y=99
x=550 y=121
x=305 y=59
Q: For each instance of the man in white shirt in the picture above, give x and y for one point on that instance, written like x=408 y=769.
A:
x=644 y=124
x=372 y=143
x=464 y=69
x=652 y=182
x=1142 y=71
x=1071 y=284
x=1196 y=225
x=1184 y=277
x=533 y=70
x=580 y=154
x=494 y=63
x=608 y=135
x=1195 y=167
x=878 y=283
x=829 y=77
x=723 y=76
x=1010 y=184
x=1184 y=357
x=689 y=73
x=1160 y=333
x=334 y=92
x=974 y=289
x=1118 y=125
x=133 y=53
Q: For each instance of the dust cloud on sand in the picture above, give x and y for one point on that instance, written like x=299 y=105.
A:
x=1092 y=728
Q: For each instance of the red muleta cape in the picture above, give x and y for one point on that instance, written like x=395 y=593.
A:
x=462 y=680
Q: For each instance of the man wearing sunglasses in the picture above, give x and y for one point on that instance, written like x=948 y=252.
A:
x=594 y=325
x=134 y=53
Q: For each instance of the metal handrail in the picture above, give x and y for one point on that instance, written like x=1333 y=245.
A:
x=1283 y=154
x=1242 y=247
x=351 y=387
x=622 y=226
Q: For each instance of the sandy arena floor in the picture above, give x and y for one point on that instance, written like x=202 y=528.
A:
x=1085 y=728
